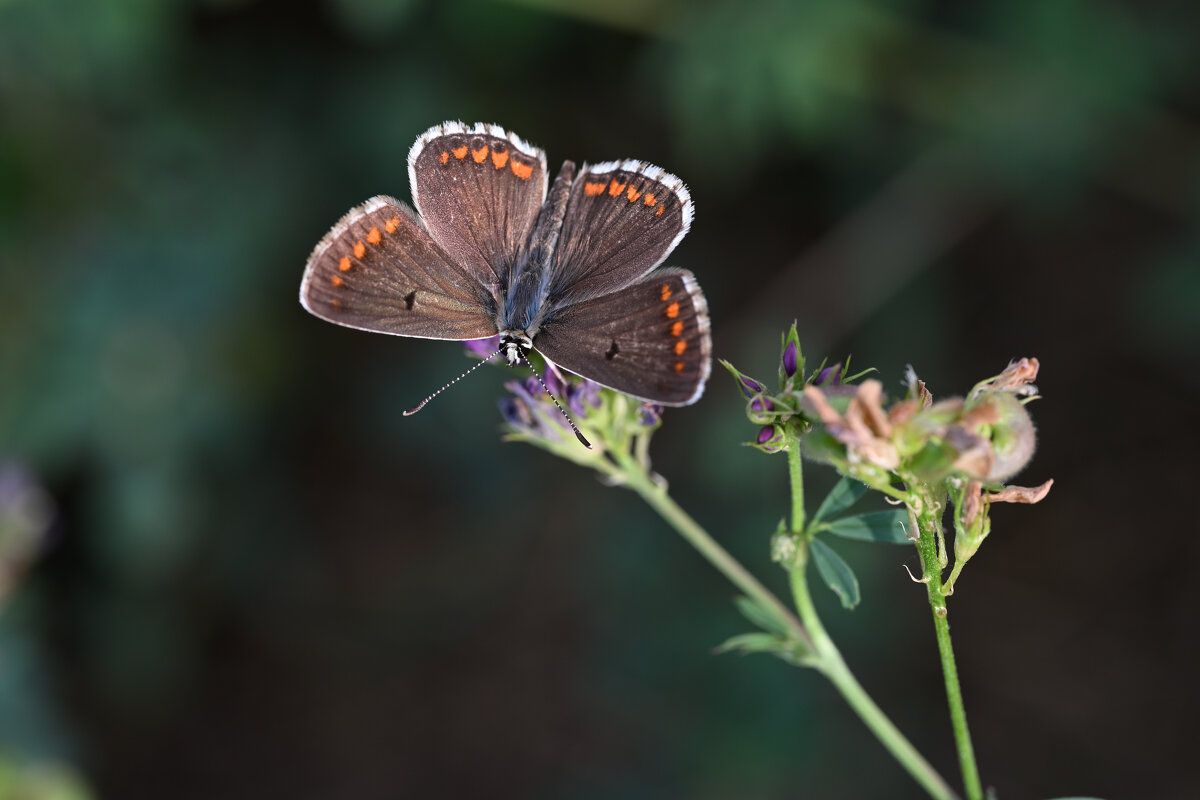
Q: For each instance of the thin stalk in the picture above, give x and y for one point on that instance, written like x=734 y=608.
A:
x=831 y=663
x=658 y=499
x=833 y=666
x=928 y=519
x=796 y=477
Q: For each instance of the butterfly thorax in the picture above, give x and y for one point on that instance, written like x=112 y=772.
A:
x=525 y=306
x=515 y=346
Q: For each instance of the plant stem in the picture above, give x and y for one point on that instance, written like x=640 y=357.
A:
x=658 y=499
x=831 y=663
x=833 y=666
x=796 y=477
x=928 y=520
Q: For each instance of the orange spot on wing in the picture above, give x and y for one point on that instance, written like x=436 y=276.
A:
x=374 y=237
x=680 y=346
x=649 y=200
x=677 y=328
x=360 y=249
x=679 y=366
x=593 y=189
x=665 y=293
x=659 y=212
x=480 y=154
x=633 y=194
x=499 y=159
x=460 y=152
x=616 y=188
x=344 y=264
x=392 y=224
x=444 y=157
x=673 y=310
x=336 y=280
x=522 y=171
x=336 y=303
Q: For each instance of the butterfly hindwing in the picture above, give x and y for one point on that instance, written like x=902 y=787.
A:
x=378 y=270
x=650 y=339
x=622 y=220
x=478 y=189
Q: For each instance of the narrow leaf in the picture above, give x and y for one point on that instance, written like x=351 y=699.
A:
x=877 y=526
x=844 y=494
x=760 y=616
x=836 y=572
x=751 y=643
x=790 y=651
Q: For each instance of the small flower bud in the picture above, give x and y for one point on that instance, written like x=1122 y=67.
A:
x=651 y=414
x=829 y=376
x=750 y=387
x=770 y=439
x=789 y=359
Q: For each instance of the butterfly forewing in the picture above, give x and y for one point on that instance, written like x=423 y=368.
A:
x=378 y=270
x=650 y=340
x=478 y=190
x=622 y=220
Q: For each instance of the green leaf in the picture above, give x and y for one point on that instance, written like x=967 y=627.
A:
x=760 y=616
x=788 y=650
x=844 y=494
x=877 y=526
x=757 y=642
x=836 y=572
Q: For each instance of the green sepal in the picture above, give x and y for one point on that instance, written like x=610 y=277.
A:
x=820 y=445
x=934 y=461
x=837 y=573
x=844 y=494
x=876 y=526
x=738 y=377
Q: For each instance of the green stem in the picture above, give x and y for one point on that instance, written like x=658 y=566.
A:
x=834 y=667
x=928 y=519
x=796 y=476
x=636 y=478
x=830 y=660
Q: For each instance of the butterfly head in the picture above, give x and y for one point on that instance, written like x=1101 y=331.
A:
x=515 y=345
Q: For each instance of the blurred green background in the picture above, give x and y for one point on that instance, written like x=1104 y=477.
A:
x=241 y=573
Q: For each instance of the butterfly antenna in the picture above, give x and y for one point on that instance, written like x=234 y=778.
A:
x=566 y=416
x=421 y=404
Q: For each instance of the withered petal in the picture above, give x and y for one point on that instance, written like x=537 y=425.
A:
x=1021 y=494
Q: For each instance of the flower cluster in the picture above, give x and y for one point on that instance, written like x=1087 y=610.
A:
x=537 y=407
x=961 y=447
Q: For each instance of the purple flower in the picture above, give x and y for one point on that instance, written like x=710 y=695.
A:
x=483 y=348
x=531 y=411
x=750 y=387
x=830 y=375
x=554 y=383
x=651 y=414
x=770 y=439
x=515 y=412
x=583 y=397
x=761 y=404
x=789 y=359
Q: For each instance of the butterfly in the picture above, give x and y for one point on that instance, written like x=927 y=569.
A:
x=493 y=249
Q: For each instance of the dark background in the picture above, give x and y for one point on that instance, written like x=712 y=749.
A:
x=259 y=580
